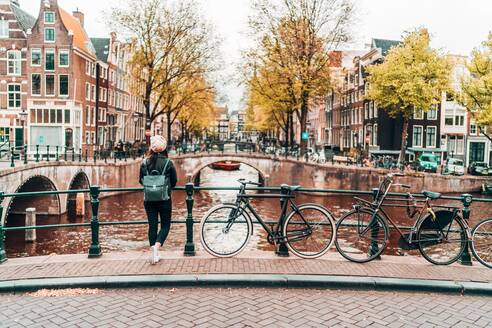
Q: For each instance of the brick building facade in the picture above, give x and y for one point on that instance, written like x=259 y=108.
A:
x=48 y=71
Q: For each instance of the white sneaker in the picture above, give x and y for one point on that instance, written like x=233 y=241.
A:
x=156 y=256
x=152 y=255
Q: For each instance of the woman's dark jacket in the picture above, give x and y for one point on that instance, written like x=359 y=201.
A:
x=158 y=165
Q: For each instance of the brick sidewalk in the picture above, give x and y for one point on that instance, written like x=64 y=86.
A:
x=136 y=263
x=242 y=308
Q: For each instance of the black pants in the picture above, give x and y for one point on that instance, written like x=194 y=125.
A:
x=154 y=210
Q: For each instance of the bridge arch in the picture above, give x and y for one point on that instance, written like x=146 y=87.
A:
x=76 y=202
x=195 y=176
x=44 y=204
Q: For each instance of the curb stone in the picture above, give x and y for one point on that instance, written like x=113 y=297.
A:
x=253 y=281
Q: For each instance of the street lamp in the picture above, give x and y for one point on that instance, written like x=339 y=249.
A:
x=136 y=117
x=23 y=119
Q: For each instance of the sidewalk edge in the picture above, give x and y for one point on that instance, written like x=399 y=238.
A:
x=252 y=281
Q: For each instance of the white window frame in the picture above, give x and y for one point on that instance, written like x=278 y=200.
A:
x=40 y=57
x=63 y=51
x=46 y=52
x=374 y=140
x=54 y=35
x=5 y=29
x=46 y=85
x=15 y=92
x=93 y=92
x=433 y=109
x=421 y=136
x=54 y=17
x=434 y=145
x=40 y=87
x=87 y=91
x=473 y=123
x=17 y=63
x=59 y=85
x=418 y=117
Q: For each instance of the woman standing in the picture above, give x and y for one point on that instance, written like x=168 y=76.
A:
x=158 y=165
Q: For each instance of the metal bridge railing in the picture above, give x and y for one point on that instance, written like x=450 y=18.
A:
x=189 y=189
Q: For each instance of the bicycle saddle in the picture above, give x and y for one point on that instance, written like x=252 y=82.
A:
x=291 y=188
x=431 y=194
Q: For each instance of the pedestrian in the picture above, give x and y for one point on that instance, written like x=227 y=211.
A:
x=158 y=176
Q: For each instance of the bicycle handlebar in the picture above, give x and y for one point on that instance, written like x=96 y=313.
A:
x=245 y=182
x=402 y=185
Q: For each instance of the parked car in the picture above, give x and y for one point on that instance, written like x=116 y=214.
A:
x=428 y=163
x=479 y=168
x=454 y=166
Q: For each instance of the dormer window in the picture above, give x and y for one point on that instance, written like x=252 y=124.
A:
x=49 y=17
x=49 y=34
x=4 y=28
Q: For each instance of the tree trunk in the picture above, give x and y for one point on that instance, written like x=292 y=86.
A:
x=148 y=121
x=304 y=114
x=286 y=132
x=169 y=124
x=291 y=130
x=404 y=137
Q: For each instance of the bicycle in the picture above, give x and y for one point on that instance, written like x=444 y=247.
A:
x=441 y=236
x=481 y=237
x=308 y=230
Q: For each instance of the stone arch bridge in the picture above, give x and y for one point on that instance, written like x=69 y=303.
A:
x=272 y=171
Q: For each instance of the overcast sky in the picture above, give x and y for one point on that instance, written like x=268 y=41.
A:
x=457 y=26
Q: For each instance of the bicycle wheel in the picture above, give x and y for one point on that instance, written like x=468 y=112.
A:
x=224 y=231
x=310 y=231
x=361 y=235
x=442 y=239
x=482 y=242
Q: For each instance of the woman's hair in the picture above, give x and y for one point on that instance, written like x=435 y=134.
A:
x=152 y=157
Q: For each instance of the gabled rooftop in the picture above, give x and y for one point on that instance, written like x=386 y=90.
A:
x=384 y=45
x=25 y=20
x=80 y=38
x=101 y=45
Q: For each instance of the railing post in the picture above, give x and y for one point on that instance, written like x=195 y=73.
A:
x=37 y=154
x=190 y=245
x=375 y=230
x=3 y=254
x=467 y=200
x=57 y=158
x=282 y=249
x=85 y=156
x=95 y=249
x=12 y=163
x=25 y=154
x=65 y=154
x=73 y=154
x=94 y=156
x=48 y=153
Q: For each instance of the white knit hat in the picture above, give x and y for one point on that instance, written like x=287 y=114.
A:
x=158 y=144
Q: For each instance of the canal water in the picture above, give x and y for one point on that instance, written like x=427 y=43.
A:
x=129 y=207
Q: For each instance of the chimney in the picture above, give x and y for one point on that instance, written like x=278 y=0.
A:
x=80 y=16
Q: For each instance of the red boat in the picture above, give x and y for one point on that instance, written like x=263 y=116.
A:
x=226 y=166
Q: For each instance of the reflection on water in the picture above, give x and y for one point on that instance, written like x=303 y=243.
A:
x=129 y=207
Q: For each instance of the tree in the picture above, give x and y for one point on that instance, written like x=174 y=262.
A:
x=412 y=77
x=476 y=90
x=197 y=114
x=294 y=44
x=173 y=44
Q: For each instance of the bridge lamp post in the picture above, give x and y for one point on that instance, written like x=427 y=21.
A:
x=23 y=120
x=136 y=117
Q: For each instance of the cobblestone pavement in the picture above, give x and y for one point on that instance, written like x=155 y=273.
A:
x=241 y=308
x=136 y=263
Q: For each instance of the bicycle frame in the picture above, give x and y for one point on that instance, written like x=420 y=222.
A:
x=243 y=204
x=377 y=209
